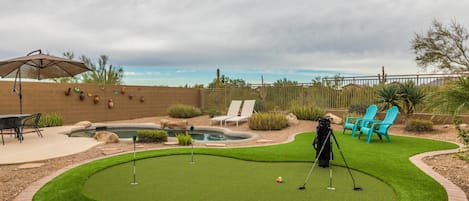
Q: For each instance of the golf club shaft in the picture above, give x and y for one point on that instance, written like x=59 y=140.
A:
x=330 y=171
x=343 y=158
x=315 y=161
x=135 y=171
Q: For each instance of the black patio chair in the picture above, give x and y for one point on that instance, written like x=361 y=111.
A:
x=11 y=123
x=33 y=122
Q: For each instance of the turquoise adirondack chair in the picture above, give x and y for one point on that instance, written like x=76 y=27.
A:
x=388 y=121
x=360 y=121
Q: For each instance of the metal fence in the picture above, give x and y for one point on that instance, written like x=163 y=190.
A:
x=418 y=79
x=330 y=93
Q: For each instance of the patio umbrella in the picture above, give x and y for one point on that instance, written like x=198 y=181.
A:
x=38 y=66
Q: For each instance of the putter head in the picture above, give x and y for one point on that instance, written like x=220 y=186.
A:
x=357 y=188
x=302 y=188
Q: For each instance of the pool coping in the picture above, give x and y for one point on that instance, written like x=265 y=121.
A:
x=226 y=131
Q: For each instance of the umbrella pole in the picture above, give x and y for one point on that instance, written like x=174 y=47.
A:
x=20 y=95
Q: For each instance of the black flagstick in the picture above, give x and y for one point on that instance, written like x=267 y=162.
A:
x=134 y=138
x=192 y=144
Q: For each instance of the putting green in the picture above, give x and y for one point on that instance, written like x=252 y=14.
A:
x=220 y=178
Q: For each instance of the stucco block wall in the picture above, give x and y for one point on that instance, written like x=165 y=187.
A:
x=51 y=98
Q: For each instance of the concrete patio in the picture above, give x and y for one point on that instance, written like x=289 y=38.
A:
x=34 y=148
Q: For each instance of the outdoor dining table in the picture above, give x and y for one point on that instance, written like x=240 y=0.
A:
x=15 y=122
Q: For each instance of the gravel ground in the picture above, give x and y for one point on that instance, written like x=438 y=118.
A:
x=14 y=178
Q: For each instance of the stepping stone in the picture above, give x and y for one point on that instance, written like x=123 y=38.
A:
x=110 y=152
x=264 y=141
x=109 y=149
x=171 y=143
x=215 y=145
x=30 y=165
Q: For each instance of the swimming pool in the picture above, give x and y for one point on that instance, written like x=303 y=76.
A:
x=198 y=133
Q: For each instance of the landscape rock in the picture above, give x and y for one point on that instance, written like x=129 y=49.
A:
x=106 y=136
x=84 y=124
x=163 y=123
x=334 y=118
x=30 y=165
x=183 y=124
x=292 y=120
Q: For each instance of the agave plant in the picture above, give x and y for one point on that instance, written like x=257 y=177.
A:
x=388 y=96
x=410 y=96
x=406 y=96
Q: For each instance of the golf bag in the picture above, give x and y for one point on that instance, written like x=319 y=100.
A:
x=322 y=142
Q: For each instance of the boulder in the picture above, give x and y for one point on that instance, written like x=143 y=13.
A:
x=163 y=123
x=292 y=120
x=84 y=124
x=106 y=136
x=334 y=118
x=183 y=124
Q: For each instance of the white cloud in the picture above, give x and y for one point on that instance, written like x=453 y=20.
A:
x=354 y=36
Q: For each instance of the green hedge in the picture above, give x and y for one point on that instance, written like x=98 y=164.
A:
x=157 y=136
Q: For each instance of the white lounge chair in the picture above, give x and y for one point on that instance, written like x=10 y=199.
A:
x=233 y=110
x=246 y=112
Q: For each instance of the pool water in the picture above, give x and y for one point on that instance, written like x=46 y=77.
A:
x=200 y=135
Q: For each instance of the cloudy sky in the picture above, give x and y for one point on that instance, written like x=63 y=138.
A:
x=161 y=42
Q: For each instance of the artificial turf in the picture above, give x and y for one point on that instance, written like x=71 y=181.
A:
x=214 y=178
x=388 y=162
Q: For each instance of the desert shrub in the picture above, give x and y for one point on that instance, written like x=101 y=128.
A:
x=463 y=155
x=268 y=121
x=183 y=111
x=50 y=120
x=359 y=108
x=184 y=139
x=260 y=106
x=213 y=112
x=418 y=125
x=307 y=112
x=152 y=136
